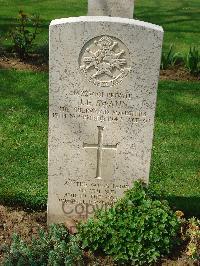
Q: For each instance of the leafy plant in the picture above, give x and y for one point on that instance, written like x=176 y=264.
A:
x=43 y=51
x=55 y=247
x=136 y=230
x=21 y=36
x=170 y=58
x=1 y=46
x=192 y=61
x=192 y=235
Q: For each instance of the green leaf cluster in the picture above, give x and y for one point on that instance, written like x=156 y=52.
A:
x=53 y=248
x=137 y=230
x=170 y=58
x=192 y=61
x=192 y=235
x=22 y=37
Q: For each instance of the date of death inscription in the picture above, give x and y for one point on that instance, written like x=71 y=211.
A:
x=100 y=106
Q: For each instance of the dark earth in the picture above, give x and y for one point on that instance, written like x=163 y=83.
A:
x=35 y=63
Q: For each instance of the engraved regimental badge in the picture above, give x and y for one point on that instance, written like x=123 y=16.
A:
x=105 y=61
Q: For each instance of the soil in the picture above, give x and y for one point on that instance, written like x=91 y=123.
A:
x=177 y=73
x=27 y=224
x=18 y=221
x=33 y=63
x=36 y=63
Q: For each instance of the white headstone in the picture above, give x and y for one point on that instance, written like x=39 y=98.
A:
x=103 y=81
x=111 y=8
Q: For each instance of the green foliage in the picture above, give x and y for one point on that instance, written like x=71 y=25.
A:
x=136 y=230
x=192 y=235
x=1 y=46
x=192 y=61
x=21 y=35
x=170 y=58
x=53 y=248
x=43 y=51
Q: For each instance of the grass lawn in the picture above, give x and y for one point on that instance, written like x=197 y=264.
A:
x=23 y=140
x=179 y=18
x=175 y=168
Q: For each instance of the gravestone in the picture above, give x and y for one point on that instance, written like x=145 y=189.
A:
x=112 y=8
x=103 y=81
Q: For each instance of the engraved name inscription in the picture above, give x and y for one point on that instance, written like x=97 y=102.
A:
x=101 y=106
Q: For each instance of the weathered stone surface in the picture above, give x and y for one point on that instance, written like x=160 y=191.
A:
x=103 y=81
x=112 y=8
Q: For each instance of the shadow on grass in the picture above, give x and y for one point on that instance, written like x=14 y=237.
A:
x=189 y=205
x=22 y=202
x=183 y=16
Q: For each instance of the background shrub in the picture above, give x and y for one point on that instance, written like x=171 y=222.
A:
x=54 y=248
x=170 y=58
x=22 y=37
x=136 y=230
x=192 y=235
x=192 y=61
x=43 y=51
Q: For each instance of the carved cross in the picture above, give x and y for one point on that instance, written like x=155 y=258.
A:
x=100 y=147
x=111 y=8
